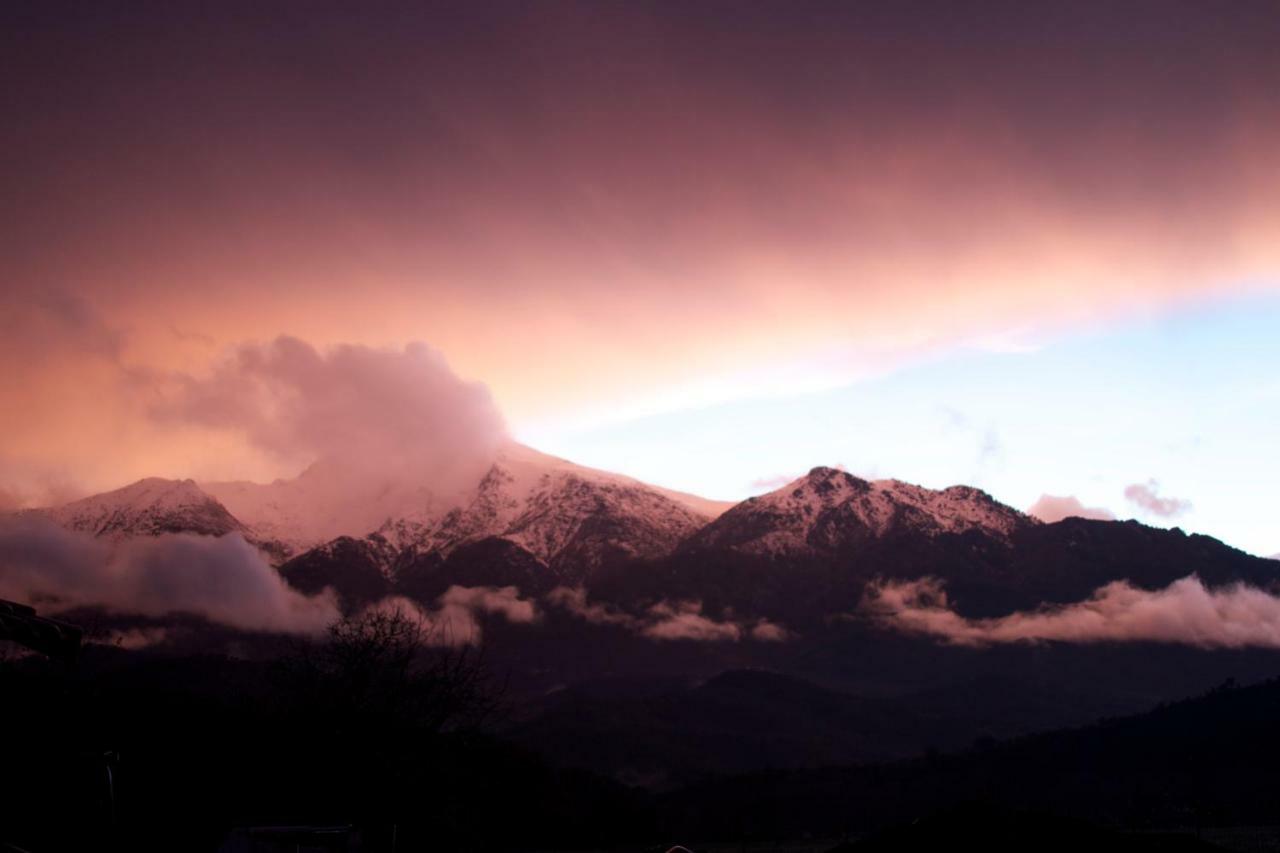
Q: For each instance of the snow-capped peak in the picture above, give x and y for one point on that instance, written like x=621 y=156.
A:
x=564 y=513
x=829 y=508
x=148 y=507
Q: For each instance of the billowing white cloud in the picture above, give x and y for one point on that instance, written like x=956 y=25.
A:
x=1052 y=508
x=224 y=579
x=1184 y=612
x=371 y=412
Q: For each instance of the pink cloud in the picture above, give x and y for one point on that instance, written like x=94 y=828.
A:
x=10 y=500
x=1052 y=508
x=1146 y=495
x=362 y=409
x=1185 y=612
x=41 y=492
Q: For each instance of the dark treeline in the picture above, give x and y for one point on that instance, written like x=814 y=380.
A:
x=371 y=728
x=1209 y=761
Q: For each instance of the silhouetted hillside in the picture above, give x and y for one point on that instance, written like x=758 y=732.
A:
x=1208 y=761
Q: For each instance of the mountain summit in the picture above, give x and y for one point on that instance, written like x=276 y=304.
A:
x=828 y=510
x=149 y=507
x=533 y=518
x=563 y=513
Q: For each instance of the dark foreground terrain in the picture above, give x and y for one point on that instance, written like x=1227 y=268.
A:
x=422 y=749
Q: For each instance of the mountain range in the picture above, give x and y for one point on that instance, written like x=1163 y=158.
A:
x=668 y=636
x=537 y=522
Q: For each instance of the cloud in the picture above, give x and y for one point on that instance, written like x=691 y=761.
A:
x=684 y=620
x=1052 y=508
x=1184 y=612
x=928 y=221
x=1145 y=495
x=57 y=323
x=10 y=500
x=574 y=600
x=681 y=620
x=454 y=620
x=504 y=601
x=370 y=410
x=769 y=632
x=224 y=579
x=40 y=492
x=777 y=481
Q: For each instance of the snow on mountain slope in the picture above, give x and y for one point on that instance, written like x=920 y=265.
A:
x=326 y=502
x=829 y=509
x=528 y=468
x=147 y=508
x=562 y=513
x=532 y=498
x=531 y=519
x=569 y=517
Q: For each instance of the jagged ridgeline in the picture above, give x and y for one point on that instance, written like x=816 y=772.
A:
x=801 y=553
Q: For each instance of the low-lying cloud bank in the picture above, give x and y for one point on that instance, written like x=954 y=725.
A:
x=455 y=617
x=1185 y=612
x=667 y=620
x=224 y=579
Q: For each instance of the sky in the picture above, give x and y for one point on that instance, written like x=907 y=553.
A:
x=708 y=244
x=1189 y=398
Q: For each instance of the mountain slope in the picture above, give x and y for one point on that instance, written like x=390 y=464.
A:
x=1207 y=761
x=529 y=497
x=735 y=721
x=828 y=511
x=328 y=501
x=528 y=510
x=147 y=508
x=567 y=515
